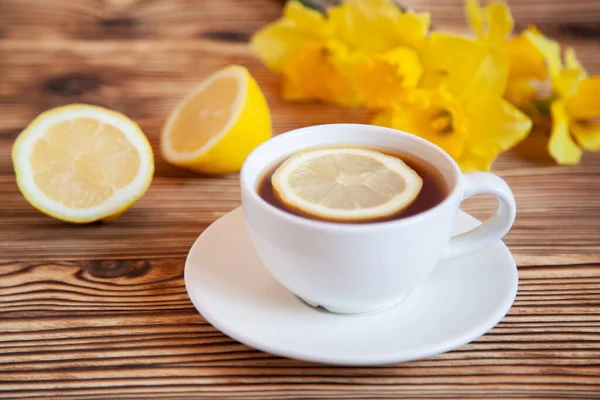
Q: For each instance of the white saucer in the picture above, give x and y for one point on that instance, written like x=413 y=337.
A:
x=460 y=301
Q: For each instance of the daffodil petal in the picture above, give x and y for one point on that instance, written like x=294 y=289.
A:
x=381 y=79
x=587 y=134
x=413 y=28
x=434 y=115
x=469 y=68
x=383 y=118
x=571 y=60
x=298 y=27
x=525 y=60
x=312 y=74
x=500 y=21
x=367 y=25
x=495 y=126
x=407 y=64
x=564 y=81
x=377 y=25
x=585 y=102
x=551 y=51
x=520 y=92
x=475 y=17
x=573 y=74
x=494 y=22
x=569 y=81
x=549 y=48
x=561 y=146
x=474 y=163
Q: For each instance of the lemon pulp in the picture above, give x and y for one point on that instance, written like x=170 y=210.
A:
x=82 y=163
x=346 y=184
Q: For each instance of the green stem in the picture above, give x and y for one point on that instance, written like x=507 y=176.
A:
x=543 y=105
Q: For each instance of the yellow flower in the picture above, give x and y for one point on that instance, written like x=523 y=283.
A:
x=331 y=72
x=495 y=127
x=363 y=52
x=474 y=133
x=527 y=72
x=493 y=24
x=575 y=105
x=377 y=26
x=471 y=76
x=314 y=74
x=434 y=115
x=471 y=67
x=468 y=67
x=497 y=63
x=384 y=42
x=298 y=27
x=525 y=60
x=378 y=79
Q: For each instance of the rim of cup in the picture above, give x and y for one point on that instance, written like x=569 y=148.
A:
x=249 y=185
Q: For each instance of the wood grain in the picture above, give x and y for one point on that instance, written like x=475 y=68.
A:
x=67 y=331
x=100 y=311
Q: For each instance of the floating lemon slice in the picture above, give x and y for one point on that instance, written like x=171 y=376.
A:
x=215 y=128
x=346 y=184
x=82 y=163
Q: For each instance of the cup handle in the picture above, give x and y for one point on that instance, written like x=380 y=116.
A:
x=495 y=227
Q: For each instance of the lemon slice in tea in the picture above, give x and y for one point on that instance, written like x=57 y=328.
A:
x=346 y=184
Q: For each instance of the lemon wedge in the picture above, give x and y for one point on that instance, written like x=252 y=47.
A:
x=82 y=163
x=215 y=128
x=346 y=184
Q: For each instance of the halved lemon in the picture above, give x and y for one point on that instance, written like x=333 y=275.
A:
x=346 y=184
x=82 y=163
x=215 y=128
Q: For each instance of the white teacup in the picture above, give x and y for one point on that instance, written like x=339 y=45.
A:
x=359 y=268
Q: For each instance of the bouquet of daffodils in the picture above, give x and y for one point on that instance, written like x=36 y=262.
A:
x=473 y=96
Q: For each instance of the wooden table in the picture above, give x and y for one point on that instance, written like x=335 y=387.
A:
x=100 y=311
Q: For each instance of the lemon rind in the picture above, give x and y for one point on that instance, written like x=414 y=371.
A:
x=286 y=194
x=119 y=201
x=238 y=72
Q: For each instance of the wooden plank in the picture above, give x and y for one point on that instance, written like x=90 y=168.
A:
x=236 y=20
x=67 y=330
x=135 y=19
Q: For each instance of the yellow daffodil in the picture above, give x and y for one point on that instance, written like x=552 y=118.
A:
x=499 y=64
x=298 y=28
x=301 y=47
x=314 y=74
x=473 y=123
x=384 y=42
x=434 y=115
x=493 y=24
x=574 y=106
x=527 y=71
x=362 y=52
x=474 y=133
x=471 y=67
x=378 y=79
x=453 y=90
x=377 y=26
